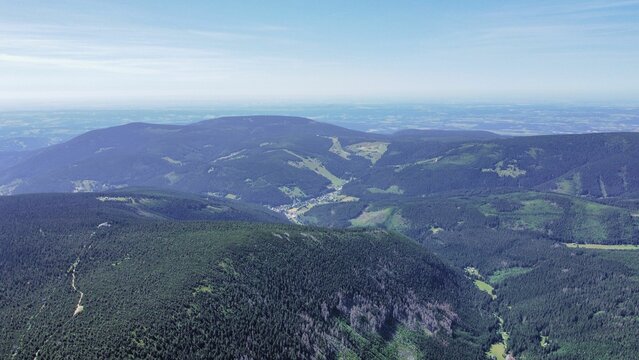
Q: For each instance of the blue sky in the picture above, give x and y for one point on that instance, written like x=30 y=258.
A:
x=182 y=53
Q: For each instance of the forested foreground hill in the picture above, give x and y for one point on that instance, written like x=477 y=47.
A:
x=86 y=278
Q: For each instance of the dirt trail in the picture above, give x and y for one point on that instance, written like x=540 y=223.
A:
x=78 y=308
x=73 y=270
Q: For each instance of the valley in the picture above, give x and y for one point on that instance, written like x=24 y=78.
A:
x=319 y=180
x=295 y=211
x=526 y=247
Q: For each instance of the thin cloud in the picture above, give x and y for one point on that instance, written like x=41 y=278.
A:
x=580 y=9
x=137 y=51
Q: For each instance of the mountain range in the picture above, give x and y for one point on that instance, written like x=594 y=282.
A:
x=166 y=241
x=272 y=160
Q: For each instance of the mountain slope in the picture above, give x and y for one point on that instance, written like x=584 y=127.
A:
x=557 y=300
x=596 y=165
x=110 y=283
x=10 y=158
x=277 y=160
x=558 y=217
x=133 y=203
x=249 y=157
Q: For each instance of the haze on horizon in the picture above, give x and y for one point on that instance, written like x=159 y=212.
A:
x=143 y=53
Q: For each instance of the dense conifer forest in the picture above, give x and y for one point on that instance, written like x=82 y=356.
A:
x=118 y=283
x=419 y=244
x=558 y=301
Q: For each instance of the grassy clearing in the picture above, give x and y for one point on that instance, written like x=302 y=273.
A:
x=372 y=151
x=372 y=218
x=387 y=217
x=592 y=225
x=533 y=214
x=602 y=246
x=498 y=350
x=536 y=213
x=337 y=149
x=570 y=186
x=294 y=192
x=397 y=222
x=479 y=282
x=393 y=189
x=510 y=170
x=317 y=167
x=486 y=287
x=502 y=274
x=581 y=219
x=460 y=159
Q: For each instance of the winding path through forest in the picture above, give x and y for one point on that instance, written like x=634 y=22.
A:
x=79 y=307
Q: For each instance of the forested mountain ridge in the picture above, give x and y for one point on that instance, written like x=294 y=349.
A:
x=256 y=158
x=89 y=279
x=132 y=203
x=558 y=217
x=558 y=299
x=594 y=165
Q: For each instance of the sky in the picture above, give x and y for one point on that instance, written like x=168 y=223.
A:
x=193 y=53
